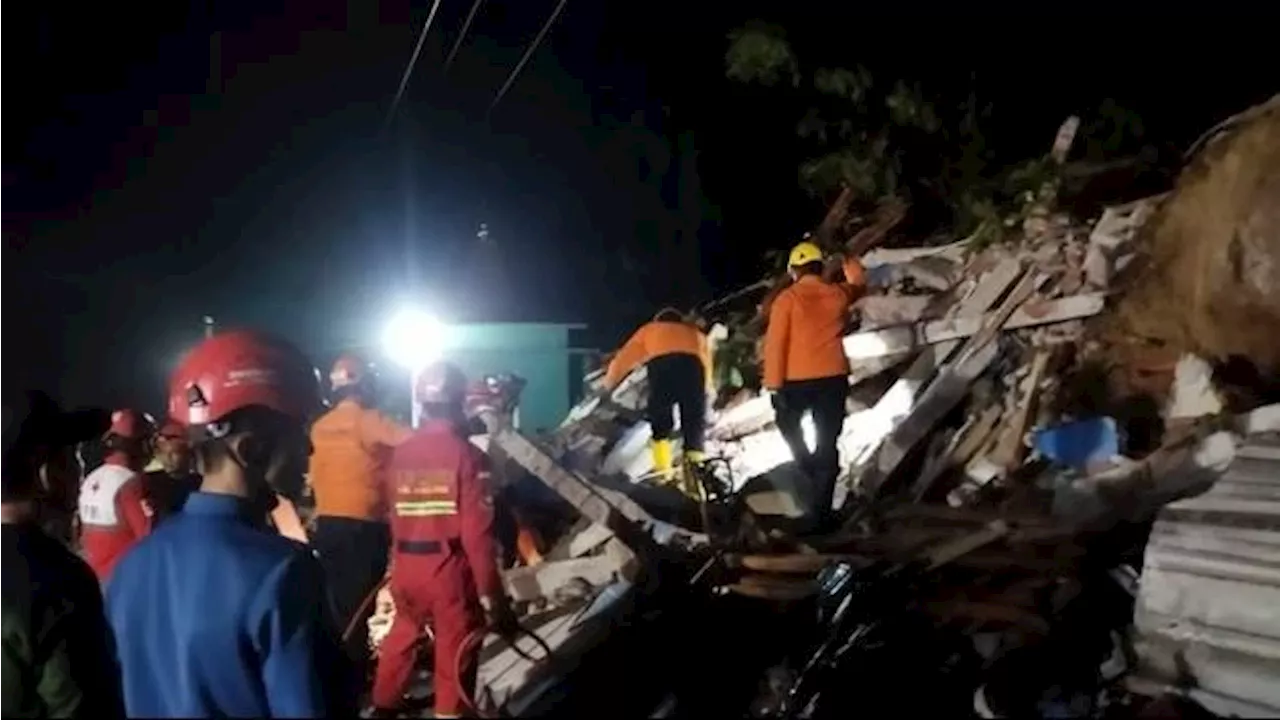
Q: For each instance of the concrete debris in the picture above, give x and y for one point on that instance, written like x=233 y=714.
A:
x=1193 y=394
x=960 y=480
x=969 y=500
x=883 y=310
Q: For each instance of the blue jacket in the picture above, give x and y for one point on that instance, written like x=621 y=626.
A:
x=215 y=616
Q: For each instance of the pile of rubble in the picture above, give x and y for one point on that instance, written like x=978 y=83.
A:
x=988 y=512
x=969 y=468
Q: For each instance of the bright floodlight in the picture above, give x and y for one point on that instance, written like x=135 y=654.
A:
x=414 y=338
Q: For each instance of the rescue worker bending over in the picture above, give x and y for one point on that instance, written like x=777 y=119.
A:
x=805 y=366
x=56 y=660
x=214 y=614
x=677 y=357
x=167 y=487
x=352 y=443
x=114 y=513
x=444 y=570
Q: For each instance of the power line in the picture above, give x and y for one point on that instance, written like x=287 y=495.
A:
x=466 y=25
x=408 y=69
x=527 y=54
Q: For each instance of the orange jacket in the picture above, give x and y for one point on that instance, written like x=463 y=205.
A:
x=350 y=449
x=804 y=338
x=655 y=339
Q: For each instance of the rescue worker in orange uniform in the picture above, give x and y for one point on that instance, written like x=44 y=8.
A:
x=114 y=513
x=444 y=568
x=677 y=357
x=351 y=446
x=805 y=366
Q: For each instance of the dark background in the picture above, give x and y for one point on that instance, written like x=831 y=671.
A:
x=163 y=162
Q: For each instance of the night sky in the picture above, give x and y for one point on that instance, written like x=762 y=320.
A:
x=229 y=159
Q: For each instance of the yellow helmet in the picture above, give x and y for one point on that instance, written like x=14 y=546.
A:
x=804 y=253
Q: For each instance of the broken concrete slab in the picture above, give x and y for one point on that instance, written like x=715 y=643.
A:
x=879 y=311
x=878 y=343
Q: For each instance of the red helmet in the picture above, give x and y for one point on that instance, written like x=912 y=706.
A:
x=240 y=369
x=441 y=383
x=347 y=370
x=128 y=424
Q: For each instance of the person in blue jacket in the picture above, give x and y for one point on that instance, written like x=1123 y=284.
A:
x=214 y=614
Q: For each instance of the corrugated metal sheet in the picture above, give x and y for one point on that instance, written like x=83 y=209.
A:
x=1208 y=613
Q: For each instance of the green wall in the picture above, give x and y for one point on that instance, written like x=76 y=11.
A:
x=538 y=352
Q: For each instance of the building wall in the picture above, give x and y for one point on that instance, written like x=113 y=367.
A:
x=538 y=352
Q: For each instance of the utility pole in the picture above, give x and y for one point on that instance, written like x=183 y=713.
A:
x=208 y=326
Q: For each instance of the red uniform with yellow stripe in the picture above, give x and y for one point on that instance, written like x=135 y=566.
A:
x=444 y=558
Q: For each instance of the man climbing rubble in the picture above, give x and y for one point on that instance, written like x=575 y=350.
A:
x=444 y=569
x=56 y=659
x=677 y=357
x=352 y=443
x=214 y=614
x=805 y=367
x=167 y=486
x=114 y=513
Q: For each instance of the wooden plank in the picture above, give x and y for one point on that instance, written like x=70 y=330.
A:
x=864 y=346
x=1009 y=450
x=899 y=398
x=958 y=548
x=966 y=443
x=951 y=385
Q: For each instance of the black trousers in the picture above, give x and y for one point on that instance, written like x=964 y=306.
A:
x=824 y=399
x=678 y=379
x=354 y=556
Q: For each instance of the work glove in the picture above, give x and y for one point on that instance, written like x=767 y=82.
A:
x=500 y=617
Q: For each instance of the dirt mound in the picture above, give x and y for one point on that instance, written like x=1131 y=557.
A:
x=1211 y=283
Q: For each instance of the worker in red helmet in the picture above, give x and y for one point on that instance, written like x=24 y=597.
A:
x=352 y=444
x=215 y=614
x=166 y=488
x=113 y=510
x=444 y=567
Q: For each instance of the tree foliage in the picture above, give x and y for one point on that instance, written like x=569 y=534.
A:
x=897 y=138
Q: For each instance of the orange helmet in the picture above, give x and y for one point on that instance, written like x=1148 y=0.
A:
x=441 y=383
x=348 y=370
x=240 y=369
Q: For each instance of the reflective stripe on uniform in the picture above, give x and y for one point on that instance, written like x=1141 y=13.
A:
x=426 y=508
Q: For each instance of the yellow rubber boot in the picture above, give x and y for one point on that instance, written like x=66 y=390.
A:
x=663 y=459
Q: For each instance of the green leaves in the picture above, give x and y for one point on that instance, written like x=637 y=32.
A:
x=760 y=54
x=851 y=85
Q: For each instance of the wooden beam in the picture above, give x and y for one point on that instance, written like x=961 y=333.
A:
x=902 y=395
x=947 y=389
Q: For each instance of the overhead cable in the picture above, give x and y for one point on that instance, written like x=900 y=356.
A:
x=408 y=69
x=527 y=54
x=466 y=25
